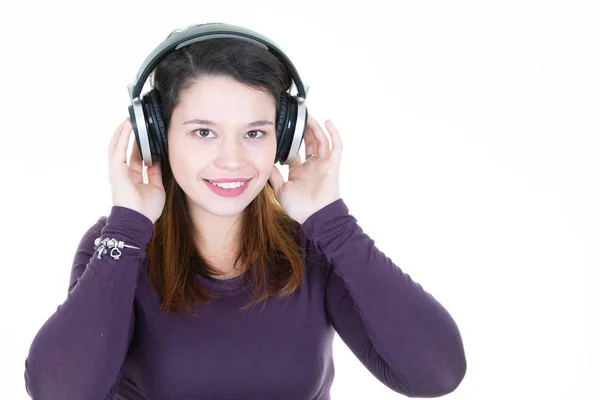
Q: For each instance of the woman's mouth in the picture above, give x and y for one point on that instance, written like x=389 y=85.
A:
x=228 y=187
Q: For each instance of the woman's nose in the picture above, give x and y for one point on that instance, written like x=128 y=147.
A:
x=231 y=154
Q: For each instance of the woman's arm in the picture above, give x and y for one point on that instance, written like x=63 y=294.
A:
x=401 y=333
x=79 y=351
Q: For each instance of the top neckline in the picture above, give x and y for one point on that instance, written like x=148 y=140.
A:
x=223 y=286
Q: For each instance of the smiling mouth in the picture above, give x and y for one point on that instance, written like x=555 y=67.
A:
x=233 y=184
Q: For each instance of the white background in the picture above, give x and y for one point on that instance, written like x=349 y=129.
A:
x=471 y=156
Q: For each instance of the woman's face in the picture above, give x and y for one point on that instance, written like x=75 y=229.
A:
x=222 y=129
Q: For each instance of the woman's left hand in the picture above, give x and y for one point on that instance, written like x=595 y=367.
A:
x=314 y=183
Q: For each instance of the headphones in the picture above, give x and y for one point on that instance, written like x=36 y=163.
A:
x=146 y=114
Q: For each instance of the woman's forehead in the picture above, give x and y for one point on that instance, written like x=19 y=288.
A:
x=225 y=101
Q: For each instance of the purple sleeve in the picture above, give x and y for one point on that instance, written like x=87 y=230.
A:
x=79 y=351
x=401 y=333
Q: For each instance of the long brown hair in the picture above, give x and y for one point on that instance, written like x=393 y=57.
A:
x=270 y=249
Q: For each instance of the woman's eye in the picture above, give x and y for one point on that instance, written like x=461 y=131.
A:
x=254 y=134
x=202 y=132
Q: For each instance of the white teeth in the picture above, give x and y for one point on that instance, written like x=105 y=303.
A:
x=228 y=185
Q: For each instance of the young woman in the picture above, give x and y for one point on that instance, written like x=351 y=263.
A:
x=230 y=282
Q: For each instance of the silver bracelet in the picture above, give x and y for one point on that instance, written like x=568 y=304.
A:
x=111 y=243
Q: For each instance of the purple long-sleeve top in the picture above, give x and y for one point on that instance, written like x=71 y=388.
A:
x=109 y=340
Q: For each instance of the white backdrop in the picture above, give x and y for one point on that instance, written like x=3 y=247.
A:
x=471 y=156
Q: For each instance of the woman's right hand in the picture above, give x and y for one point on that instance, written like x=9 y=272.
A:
x=126 y=181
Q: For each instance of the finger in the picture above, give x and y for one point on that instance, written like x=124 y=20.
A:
x=309 y=142
x=120 y=153
x=276 y=180
x=320 y=137
x=135 y=160
x=155 y=175
x=295 y=161
x=336 y=140
x=136 y=170
x=115 y=138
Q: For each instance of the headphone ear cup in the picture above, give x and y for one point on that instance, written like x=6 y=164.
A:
x=286 y=123
x=157 y=133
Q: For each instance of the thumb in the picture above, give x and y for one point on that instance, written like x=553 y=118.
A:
x=276 y=181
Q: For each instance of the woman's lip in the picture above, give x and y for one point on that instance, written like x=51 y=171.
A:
x=233 y=192
x=223 y=180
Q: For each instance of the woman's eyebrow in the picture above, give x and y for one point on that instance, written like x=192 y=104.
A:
x=261 y=122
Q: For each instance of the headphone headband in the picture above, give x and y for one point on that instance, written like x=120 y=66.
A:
x=206 y=32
